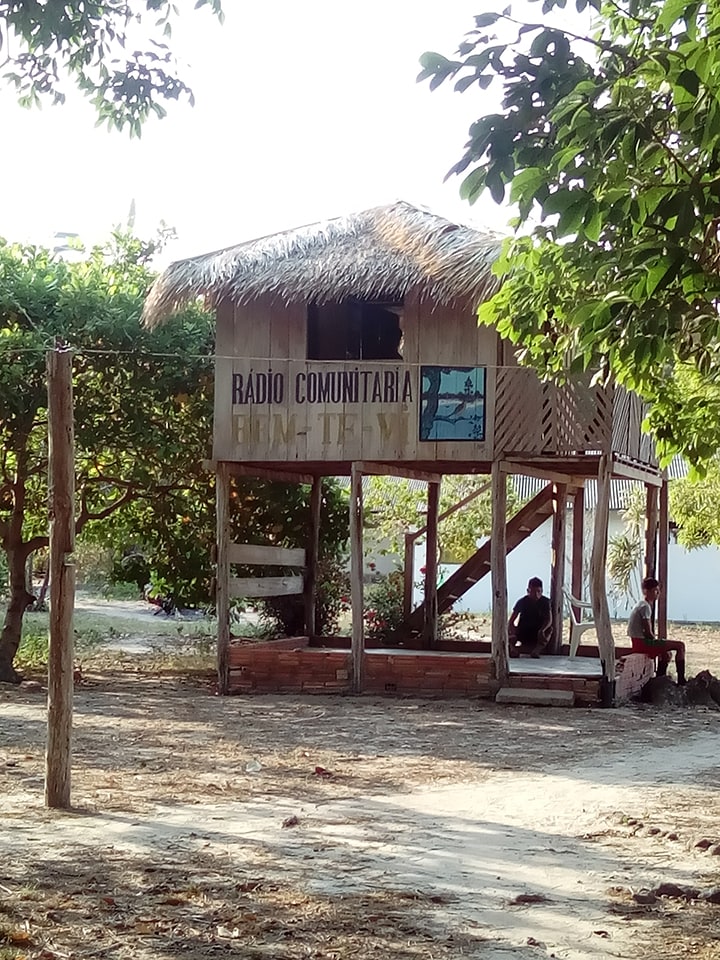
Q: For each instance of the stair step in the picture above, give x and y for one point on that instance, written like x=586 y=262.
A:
x=536 y=697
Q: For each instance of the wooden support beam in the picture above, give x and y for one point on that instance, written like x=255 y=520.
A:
x=430 y=607
x=61 y=462
x=651 y=538
x=222 y=575
x=598 y=563
x=408 y=573
x=651 y=530
x=663 y=545
x=557 y=567
x=549 y=476
x=396 y=470
x=578 y=546
x=410 y=538
x=629 y=472
x=313 y=556
x=357 y=647
x=259 y=473
x=498 y=570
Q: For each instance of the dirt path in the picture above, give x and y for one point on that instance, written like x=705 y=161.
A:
x=423 y=828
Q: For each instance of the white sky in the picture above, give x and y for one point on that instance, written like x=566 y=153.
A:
x=304 y=110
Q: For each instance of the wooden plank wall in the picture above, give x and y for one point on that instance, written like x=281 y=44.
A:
x=255 y=554
x=308 y=416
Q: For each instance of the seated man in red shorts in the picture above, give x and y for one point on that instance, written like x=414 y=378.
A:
x=642 y=635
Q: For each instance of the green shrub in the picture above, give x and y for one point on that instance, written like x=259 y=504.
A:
x=384 y=606
x=33 y=652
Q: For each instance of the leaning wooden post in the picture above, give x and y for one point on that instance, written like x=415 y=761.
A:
x=357 y=648
x=578 y=545
x=222 y=575
x=61 y=461
x=313 y=556
x=498 y=570
x=430 y=607
x=598 y=561
x=663 y=545
x=557 y=569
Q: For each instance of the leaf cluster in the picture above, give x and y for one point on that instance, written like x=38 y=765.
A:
x=608 y=142
x=93 y=43
x=694 y=508
x=142 y=399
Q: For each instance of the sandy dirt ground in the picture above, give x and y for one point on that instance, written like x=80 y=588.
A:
x=328 y=828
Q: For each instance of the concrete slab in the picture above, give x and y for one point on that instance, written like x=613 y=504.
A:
x=536 y=697
x=588 y=667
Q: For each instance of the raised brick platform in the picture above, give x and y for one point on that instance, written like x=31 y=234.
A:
x=294 y=666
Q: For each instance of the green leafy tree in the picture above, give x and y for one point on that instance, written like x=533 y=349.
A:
x=143 y=423
x=94 y=44
x=608 y=141
x=142 y=398
x=394 y=509
x=694 y=508
x=168 y=540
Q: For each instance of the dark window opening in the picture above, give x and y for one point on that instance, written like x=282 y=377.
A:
x=355 y=330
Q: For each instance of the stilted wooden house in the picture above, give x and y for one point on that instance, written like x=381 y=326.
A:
x=351 y=347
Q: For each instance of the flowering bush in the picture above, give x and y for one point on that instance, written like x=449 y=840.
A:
x=384 y=606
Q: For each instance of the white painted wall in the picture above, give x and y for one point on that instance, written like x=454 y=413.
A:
x=693 y=588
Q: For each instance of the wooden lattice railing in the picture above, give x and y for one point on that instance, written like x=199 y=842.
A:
x=533 y=417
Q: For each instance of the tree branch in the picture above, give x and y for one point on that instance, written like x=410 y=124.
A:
x=33 y=544
x=86 y=515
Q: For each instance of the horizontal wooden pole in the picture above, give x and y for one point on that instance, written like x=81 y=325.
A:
x=550 y=476
x=259 y=473
x=265 y=586
x=273 y=556
x=629 y=472
x=396 y=470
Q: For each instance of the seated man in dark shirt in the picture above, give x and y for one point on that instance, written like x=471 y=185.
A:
x=530 y=625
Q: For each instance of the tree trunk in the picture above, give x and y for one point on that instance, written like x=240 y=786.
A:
x=20 y=600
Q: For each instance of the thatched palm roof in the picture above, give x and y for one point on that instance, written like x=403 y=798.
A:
x=379 y=253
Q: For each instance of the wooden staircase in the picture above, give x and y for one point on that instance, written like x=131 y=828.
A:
x=526 y=520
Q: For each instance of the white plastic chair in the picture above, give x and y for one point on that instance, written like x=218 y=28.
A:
x=578 y=625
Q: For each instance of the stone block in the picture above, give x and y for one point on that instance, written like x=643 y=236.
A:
x=536 y=697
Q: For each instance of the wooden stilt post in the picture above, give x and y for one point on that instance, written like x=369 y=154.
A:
x=357 y=649
x=498 y=570
x=312 y=557
x=663 y=543
x=61 y=459
x=578 y=545
x=430 y=627
x=557 y=570
x=598 y=562
x=651 y=530
x=408 y=572
x=222 y=578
